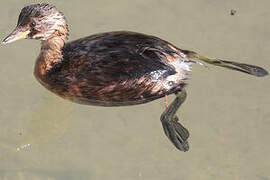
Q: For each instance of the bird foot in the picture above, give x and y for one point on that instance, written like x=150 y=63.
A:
x=176 y=132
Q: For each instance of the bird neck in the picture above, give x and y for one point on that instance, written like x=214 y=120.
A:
x=51 y=53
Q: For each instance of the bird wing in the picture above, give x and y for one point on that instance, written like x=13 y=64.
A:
x=119 y=67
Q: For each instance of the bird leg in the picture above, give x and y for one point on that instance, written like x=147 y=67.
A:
x=245 y=68
x=177 y=134
x=166 y=102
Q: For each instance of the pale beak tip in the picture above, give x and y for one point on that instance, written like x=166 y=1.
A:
x=17 y=34
x=6 y=40
x=3 y=42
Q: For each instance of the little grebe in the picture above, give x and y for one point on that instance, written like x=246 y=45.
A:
x=114 y=68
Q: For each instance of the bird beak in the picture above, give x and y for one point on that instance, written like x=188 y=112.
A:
x=17 y=34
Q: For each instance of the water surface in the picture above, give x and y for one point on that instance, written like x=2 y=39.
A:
x=227 y=113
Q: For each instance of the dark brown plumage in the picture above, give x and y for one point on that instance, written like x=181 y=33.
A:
x=114 y=68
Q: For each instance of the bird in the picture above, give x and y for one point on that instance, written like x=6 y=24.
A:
x=118 y=68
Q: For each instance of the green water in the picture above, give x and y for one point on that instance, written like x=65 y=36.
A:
x=227 y=113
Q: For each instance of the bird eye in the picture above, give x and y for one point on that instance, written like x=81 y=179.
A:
x=33 y=24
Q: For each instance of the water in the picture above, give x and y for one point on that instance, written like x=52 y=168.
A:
x=227 y=113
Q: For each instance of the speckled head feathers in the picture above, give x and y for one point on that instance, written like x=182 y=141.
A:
x=44 y=19
x=39 y=21
x=35 y=11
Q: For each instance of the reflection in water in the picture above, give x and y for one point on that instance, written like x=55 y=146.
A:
x=49 y=122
